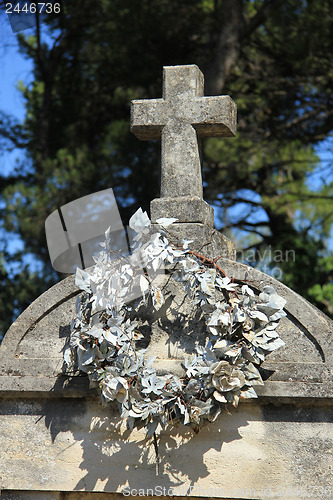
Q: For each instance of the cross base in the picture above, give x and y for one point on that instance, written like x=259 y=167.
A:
x=184 y=208
x=206 y=241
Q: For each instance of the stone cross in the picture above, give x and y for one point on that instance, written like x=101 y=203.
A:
x=179 y=118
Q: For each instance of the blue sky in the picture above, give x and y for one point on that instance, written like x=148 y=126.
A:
x=13 y=67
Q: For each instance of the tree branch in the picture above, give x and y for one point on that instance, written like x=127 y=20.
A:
x=260 y=16
x=227 y=48
x=234 y=29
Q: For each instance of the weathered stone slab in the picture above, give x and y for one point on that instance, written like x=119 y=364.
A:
x=71 y=445
x=189 y=209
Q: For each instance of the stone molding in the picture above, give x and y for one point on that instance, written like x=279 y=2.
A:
x=31 y=353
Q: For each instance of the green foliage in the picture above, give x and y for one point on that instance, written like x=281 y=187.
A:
x=322 y=295
x=272 y=57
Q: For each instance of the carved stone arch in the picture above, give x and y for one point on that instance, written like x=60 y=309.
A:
x=31 y=355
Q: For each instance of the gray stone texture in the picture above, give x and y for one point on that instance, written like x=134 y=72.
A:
x=180 y=118
x=206 y=240
x=187 y=209
x=64 y=445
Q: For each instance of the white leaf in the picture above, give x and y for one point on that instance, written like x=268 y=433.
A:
x=238 y=315
x=82 y=280
x=214 y=319
x=207 y=285
x=186 y=417
x=144 y=284
x=110 y=337
x=96 y=331
x=186 y=243
x=155 y=263
x=225 y=347
x=213 y=330
x=259 y=315
x=234 y=351
x=226 y=284
x=86 y=357
x=249 y=393
x=276 y=344
x=276 y=316
x=219 y=397
x=247 y=290
x=277 y=301
x=140 y=222
x=219 y=317
x=271 y=326
x=225 y=318
x=68 y=356
x=166 y=221
x=271 y=334
x=222 y=344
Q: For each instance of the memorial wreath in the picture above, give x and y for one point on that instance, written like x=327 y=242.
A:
x=105 y=338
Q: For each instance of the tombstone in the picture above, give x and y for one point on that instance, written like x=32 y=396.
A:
x=58 y=442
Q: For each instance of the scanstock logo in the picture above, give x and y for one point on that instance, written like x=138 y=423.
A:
x=74 y=231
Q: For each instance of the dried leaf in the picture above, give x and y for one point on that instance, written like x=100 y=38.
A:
x=68 y=356
x=258 y=315
x=82 y=280
x=157 y=297
x=247 y=290
x=166 y=221
x=248 y=393
x=144 y=284
x=140 y=222
x=219 y=397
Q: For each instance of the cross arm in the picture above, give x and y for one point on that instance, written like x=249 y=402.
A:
x=215 y=116
x=148 y=118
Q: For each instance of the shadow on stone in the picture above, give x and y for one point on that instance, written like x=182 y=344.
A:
x=111 y=454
